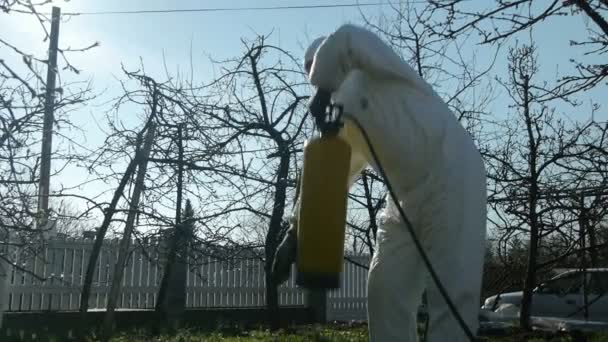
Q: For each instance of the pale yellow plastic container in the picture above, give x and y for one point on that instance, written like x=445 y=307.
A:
x=322 y=218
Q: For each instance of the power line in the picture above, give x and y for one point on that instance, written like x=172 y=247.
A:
x=242 y=9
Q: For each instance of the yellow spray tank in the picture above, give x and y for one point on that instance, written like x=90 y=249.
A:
x=322 y=214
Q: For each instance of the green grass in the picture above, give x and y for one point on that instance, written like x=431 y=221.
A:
x=313 y=334
x=303 y=334
x=310 y=333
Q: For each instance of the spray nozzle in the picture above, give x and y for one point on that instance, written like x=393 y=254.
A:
x=328 y=116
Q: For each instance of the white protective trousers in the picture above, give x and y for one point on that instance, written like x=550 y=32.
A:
x=436 y=171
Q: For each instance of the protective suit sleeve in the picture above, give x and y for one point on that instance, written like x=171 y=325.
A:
x=358 y=160
x=353 y=47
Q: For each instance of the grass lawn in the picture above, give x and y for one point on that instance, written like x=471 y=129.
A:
x=313 y=334
x=296 y=335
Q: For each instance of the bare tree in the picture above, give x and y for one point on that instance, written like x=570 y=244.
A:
x=453 y=71
x=179 y=165
x=260 y=121
x=585 y=170
x=500 y=20
x=69 y=219
x=365 y=202
x=125 y=241
x=529 y=169
x=22 y=94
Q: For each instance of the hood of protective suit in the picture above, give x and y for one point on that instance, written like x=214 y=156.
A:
x=309 y=56
x=352 y=47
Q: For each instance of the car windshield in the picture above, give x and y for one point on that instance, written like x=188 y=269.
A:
x=564 y=285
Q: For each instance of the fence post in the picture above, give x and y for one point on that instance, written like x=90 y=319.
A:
x=5 y=271
x=316 y=301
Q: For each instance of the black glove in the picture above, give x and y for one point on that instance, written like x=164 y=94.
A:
x=285 y=256
x=318 y=106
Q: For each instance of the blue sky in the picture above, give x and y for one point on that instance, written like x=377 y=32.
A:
x=126 y=38
x=159 y=38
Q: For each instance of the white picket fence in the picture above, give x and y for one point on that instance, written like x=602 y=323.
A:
x=211 y=283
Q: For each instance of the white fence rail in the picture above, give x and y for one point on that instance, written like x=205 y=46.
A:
x=52 y=278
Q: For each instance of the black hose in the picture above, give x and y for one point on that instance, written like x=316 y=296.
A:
x=419 y=247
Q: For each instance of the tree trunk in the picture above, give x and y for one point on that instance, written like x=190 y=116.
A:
x=530 y=280
x=372 y=211
x=583 y=265
x=109 y=212
x=174 y=268
x=5 y=271
x=593 y=249
x=100 y=236
x=272 y=238
x=126 y=237
x=582 y=225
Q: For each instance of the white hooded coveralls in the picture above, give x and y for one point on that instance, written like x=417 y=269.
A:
x=436 y=172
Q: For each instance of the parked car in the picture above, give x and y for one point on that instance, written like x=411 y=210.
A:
x=563 y=296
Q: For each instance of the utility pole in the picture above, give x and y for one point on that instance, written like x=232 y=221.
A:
x=47 y=130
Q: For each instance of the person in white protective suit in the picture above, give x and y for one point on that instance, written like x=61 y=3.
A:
x=438 y=176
